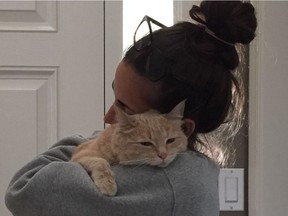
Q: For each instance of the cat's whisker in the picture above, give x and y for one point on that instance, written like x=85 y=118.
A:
x=140 y=165
x=182 y=153
x=135 y=162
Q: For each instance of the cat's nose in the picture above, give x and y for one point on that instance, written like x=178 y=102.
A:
x=162 y=155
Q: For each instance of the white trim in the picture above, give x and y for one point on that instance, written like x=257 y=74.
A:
x=113 y=45
x=255 y=167
x=177 y=10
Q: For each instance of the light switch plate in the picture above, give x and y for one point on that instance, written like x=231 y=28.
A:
x=231 y=189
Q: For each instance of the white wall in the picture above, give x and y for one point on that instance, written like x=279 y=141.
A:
x=268 y=156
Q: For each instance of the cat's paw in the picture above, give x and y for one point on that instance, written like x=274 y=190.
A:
x=105 y=180
x=108 y=187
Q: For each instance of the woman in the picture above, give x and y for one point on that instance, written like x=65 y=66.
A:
x=192 y=61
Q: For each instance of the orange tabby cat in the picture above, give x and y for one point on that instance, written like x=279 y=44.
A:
x=148 y=138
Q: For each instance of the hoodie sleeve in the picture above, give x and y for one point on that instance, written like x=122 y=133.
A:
x=50 y=185
x=40 y=183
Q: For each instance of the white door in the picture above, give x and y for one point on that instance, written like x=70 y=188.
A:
x=51 y=77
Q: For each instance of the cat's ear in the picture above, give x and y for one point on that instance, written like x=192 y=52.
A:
x=178 y=110
x=123 y=119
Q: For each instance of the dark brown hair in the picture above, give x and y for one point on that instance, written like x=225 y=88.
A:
x=201 y=68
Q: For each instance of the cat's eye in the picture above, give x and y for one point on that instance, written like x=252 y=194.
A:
x=146 y=143
x=171 y=140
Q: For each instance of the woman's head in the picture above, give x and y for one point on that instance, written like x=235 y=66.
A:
x=133 y=93
x=196 y=62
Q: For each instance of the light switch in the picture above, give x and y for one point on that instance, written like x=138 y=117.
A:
x=231 y=189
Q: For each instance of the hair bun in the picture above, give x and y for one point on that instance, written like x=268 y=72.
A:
x=232 y=21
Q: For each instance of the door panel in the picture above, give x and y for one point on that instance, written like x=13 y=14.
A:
x=51 y=78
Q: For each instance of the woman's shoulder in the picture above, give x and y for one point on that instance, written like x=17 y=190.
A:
x=193 y=171
x=194 y=163
x=191 y=164
x=184 y=187
x=188 y=171
x=194 y=180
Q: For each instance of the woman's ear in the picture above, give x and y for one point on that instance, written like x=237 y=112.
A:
x=188 y=126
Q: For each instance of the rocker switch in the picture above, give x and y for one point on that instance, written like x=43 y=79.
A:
x=231 y=189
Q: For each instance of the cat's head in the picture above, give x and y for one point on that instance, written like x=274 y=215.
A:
x=149 y=138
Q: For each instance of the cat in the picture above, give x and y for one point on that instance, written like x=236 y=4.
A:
x=147 y=138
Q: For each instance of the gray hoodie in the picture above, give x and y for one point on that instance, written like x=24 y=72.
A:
x=51 y=186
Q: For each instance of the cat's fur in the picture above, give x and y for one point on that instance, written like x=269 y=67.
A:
x=148 y=138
